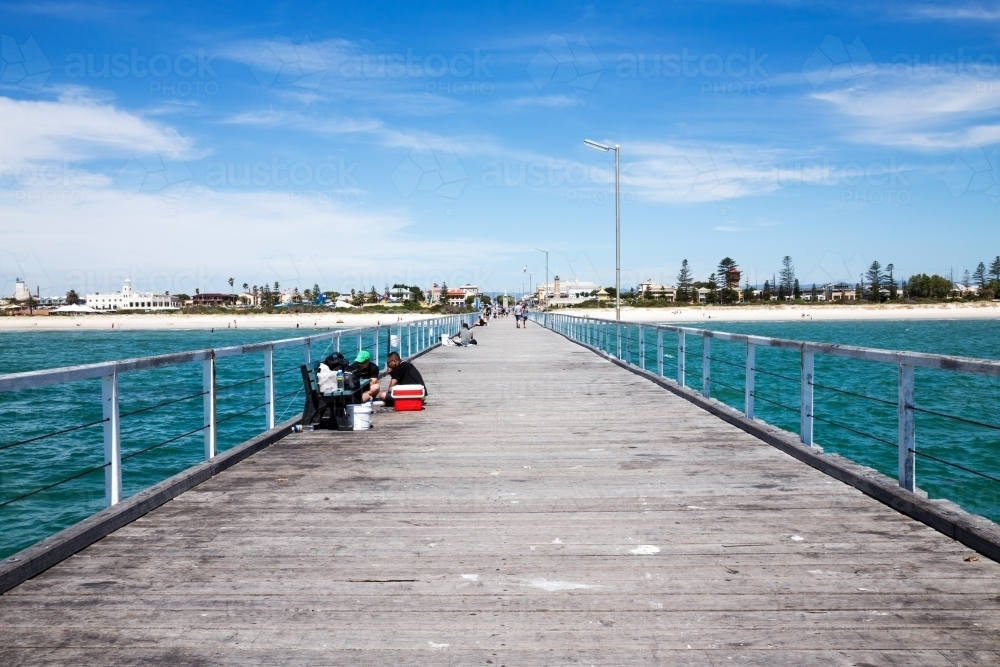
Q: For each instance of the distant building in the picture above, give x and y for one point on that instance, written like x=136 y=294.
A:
x=128 y=299
x=565 y=293
x=21 y=290
x=651 y=290
x=213 y=299
x=839 y=292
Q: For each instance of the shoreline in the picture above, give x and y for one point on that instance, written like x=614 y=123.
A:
x=181 y=322
x=775 y=313
x=800 y=313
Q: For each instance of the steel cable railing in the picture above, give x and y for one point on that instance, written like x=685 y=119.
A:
x=51 y=435
x=406 y=338
x=693 y=365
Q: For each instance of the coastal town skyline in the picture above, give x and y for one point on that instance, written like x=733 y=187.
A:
x=449 y=146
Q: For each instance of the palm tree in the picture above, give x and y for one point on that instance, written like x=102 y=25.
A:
x=231 y=285
x=72 y=297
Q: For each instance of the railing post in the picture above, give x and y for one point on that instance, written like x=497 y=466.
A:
x=112 y=440
x=642 y=350
x=659 y=352
x=706 y=366
x=376 y=346
x=306 y=353
x=269 y=386
x=338 y=342
x=628 y=346
x=748 y=391
x=681 y=357
x=806 y=400
x=907 y=431
x=360 y=340
x=618 y=338
x=208 y=403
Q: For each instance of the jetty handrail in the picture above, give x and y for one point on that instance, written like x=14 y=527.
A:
x=410 y=338
x=596 y=333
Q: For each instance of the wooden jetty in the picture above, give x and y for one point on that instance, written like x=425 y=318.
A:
x=548 y=507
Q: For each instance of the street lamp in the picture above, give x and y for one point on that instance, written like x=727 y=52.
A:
x=546 y=294
x=618 y=229
x=529 y=278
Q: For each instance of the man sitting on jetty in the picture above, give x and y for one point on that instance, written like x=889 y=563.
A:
x=464 y=336
x=400 y=372
x=364 y=368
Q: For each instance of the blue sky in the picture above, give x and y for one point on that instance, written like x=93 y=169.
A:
x=181 y=144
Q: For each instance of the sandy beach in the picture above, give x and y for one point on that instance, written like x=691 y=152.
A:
x=787 y=313
x=795 y=313
x=178 y=321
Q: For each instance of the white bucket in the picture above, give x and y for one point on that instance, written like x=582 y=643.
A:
x=359 y=417
x=394 y=341
x=445 y=339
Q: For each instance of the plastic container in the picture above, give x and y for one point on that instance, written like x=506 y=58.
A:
x=394 y=341
x=445 y=339
x=408 y=397
x=359 y=417
x=340 y=380
x=408 y=404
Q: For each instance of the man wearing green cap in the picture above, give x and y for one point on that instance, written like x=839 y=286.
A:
x=364 y=368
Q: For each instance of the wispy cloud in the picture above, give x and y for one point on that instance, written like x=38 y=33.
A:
x=955 y=12
x=77 y=127
x=921 y=107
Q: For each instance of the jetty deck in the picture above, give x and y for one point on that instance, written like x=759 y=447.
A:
x=548 y=507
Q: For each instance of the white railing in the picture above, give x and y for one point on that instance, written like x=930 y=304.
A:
x=608 y=337
x=410 y=337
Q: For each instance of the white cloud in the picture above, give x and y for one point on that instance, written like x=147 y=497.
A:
x=955 y=12
x=75 y=127
x=254 y=236
x=922 y=107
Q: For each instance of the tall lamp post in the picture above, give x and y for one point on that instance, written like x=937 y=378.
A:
x=618 y=234
x=546 y=294
x=529 y=278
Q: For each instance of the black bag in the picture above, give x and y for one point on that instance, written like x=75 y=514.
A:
x=351 y=382
x=336 y=362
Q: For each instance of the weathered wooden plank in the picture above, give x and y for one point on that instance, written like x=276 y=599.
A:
x=500 y=524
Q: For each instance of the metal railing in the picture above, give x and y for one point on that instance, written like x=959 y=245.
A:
x=615 y=339
x=407 y=338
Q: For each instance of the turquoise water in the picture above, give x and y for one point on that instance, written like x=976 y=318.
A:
x=855 y=401
x=28 y=467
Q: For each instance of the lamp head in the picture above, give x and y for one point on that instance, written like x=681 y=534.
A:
x=594 y=144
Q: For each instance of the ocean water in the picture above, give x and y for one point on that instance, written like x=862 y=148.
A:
x=855 y=401
x=147 y=455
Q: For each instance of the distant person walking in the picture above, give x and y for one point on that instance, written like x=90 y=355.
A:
x=517 y=315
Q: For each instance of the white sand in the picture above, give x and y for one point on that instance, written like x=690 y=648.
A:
x=797 y=313
x=161 y=321
x=787 y=313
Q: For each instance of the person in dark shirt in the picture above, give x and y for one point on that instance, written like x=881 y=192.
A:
x=363 y=368
x=401 y=372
